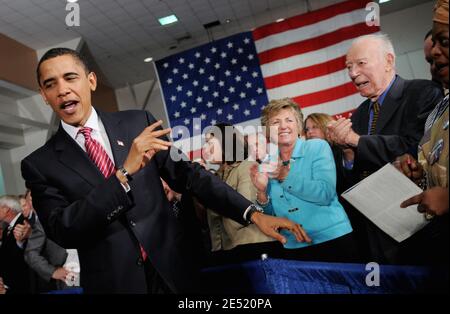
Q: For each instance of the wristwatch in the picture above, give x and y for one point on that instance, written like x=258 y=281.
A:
x=253 y=208
x=125 y=173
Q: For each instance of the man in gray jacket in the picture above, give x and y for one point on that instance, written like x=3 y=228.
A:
x=43 y=255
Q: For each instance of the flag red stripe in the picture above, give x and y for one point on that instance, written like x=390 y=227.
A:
x=316 y=43
x=308 y=18
x=305 y=73
x=326 y=95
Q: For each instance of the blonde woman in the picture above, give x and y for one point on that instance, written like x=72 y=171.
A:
x=304 y=189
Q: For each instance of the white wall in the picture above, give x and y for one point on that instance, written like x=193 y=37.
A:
x=407 y=28
x=125 y=99
x=33 y=108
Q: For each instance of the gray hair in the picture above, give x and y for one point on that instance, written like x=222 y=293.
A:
x=386 y=43
x=12 y=202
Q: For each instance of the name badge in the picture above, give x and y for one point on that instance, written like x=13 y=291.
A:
x=436 y=151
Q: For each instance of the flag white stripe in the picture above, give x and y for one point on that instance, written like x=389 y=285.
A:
x=311 y=31
x=316 y=84
x=306 y=59
x=336 y=106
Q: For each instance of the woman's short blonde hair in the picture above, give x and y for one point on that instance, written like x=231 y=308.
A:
x=321 y=120
x=276 y=105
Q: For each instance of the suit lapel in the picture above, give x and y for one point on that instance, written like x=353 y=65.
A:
x=72 y=156
x=363 y=121
x=117 y=135
x=390 y=104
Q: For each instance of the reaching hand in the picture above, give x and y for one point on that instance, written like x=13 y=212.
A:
x=60 y=274
x=433 y=201
x=270 y=225
x=409 y=166
x=145 y=146
x=2 y=286
x=259 y=179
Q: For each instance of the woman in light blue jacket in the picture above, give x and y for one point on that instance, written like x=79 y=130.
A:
x=303 y=188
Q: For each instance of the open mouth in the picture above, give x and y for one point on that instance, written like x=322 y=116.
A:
x=362 y=84
x=441 y=66
x=69 y=106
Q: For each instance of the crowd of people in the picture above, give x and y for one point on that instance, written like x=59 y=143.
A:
x=145 y=222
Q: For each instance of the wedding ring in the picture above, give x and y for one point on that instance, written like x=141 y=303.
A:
x=428 y=216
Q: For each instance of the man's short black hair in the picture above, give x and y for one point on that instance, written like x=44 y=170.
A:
x=56 y=52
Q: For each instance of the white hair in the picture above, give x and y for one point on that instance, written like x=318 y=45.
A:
x=12 y=202
x=386 y=43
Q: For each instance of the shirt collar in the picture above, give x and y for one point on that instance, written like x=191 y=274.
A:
x=383 y=95
x=92 y=122
x=298 y=151
x=13 y=222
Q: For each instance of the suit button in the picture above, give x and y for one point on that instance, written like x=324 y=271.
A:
x=132 y=223
x=281 y=196
x=140 y=261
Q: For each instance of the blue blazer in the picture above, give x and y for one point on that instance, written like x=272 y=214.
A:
x=308 y=194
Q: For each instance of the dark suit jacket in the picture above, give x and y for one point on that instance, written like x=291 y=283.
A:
x=400 y=123
x=13 y=269
x=399 y=128
x=80 y=209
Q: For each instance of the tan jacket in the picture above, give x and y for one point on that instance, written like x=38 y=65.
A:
x=226 y=233
x=437 y=171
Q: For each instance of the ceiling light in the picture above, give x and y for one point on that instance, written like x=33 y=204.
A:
x=149 y=59
x=280 y=20
x=383 y=1
x=168 y=19
x=72 y=1
x=227 y=21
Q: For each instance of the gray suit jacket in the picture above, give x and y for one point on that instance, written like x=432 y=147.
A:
x=42 y=254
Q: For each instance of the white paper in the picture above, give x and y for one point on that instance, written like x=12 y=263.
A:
x=379 y=197
x=73 y=266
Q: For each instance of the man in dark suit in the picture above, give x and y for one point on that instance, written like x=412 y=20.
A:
x=13 y=268
x=119 y=220
x=388 y=124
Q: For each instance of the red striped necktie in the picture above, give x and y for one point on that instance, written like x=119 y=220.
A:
x=98 y=155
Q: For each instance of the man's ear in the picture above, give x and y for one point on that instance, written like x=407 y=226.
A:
x=92 y=78
x=390 y=59
x=43 y=96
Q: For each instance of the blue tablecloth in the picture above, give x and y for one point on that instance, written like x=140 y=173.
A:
x=276 y=276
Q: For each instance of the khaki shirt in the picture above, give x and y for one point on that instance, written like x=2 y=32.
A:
x=226 y=233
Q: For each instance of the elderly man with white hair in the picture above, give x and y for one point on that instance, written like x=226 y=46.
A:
x=13 y=269
x=389 y=123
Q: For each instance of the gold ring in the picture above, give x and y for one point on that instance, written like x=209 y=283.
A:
x=428 y=216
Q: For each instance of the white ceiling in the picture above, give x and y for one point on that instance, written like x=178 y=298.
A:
x=121 y=33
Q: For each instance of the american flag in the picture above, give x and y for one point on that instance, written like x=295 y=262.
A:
x=230 y=80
